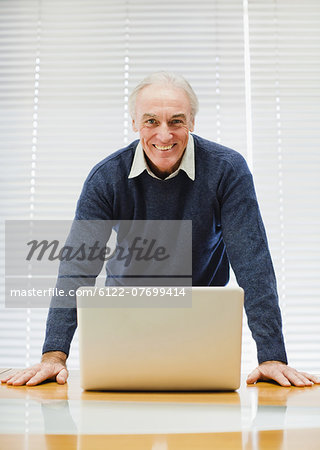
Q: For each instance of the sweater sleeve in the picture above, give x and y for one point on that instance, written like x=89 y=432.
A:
x=91 y=226
x=247 y=248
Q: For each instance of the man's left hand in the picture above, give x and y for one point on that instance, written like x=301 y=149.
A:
x=282 y=374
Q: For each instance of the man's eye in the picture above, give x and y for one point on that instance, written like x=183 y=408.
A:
x=151 y=121
x=176 y=122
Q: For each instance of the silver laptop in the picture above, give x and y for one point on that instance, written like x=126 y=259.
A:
x=136 y=340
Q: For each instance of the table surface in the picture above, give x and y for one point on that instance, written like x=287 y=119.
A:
x=262 y=416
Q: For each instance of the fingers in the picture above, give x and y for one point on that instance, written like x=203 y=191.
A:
x=297 y=378
x=282 y=374
x=280 y=378
x=315 y=379
x=37 y=374
x=7 y=377
x=21 y=376
x=42 y=375
x=268 y=373
x=62 y=376
x=47 y=372
x=254 y=376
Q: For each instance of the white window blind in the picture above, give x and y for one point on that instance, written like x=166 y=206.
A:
x=67 y=68
x=285 y=74
x=18 y=31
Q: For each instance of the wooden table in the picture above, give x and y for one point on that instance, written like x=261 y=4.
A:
x=263 y=416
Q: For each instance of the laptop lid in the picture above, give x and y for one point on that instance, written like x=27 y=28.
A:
x=140 y=341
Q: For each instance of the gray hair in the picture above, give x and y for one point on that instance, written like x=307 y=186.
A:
x=165 y=78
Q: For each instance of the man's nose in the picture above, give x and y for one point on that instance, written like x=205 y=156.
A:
x=164 y=133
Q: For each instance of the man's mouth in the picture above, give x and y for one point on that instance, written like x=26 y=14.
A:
x=163 y=147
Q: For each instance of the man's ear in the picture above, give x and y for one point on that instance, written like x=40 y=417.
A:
x=134 y=127
x=191 y=126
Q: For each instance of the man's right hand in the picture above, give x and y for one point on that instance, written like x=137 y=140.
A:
x=52 y=367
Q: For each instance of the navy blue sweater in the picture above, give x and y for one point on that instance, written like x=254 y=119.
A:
x=226 y=227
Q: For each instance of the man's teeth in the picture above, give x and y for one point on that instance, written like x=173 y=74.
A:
x=165 y=147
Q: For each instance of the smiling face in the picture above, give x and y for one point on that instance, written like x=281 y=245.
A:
x=163 y=119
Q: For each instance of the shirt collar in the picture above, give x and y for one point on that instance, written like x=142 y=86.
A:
x=139 y=163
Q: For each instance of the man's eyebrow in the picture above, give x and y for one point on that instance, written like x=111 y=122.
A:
x=174 y=116
x=148 y=115
x=180 y=115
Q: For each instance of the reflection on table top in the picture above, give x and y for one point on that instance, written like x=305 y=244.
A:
x=262 y=416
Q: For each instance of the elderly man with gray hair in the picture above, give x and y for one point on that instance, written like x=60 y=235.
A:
x=171 y=174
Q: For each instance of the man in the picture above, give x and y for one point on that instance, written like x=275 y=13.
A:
x=172 y=174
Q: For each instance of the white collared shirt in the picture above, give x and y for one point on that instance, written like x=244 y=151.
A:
x=139 y=163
